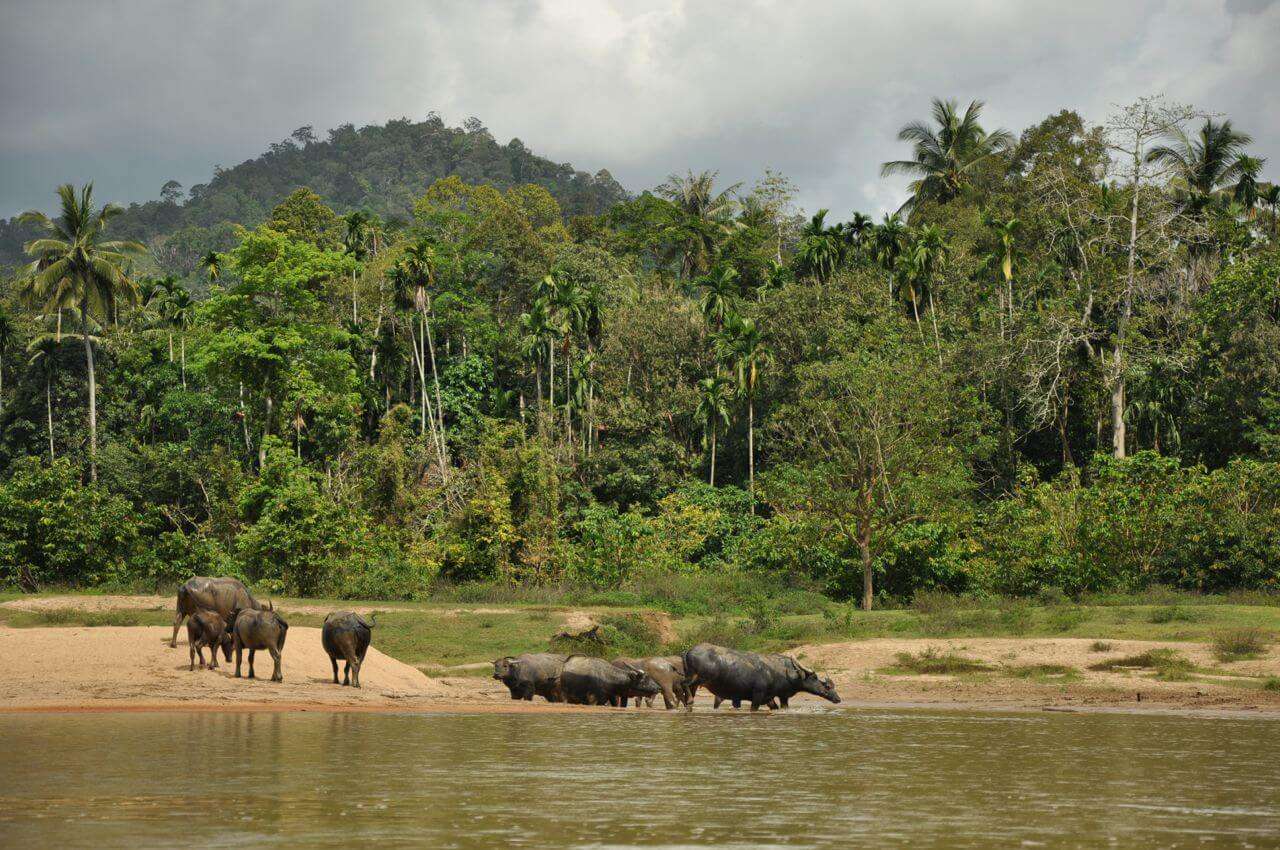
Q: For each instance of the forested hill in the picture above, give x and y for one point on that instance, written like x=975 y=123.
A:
x=379 y=168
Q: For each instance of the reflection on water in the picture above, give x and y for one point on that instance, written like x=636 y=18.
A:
x=617 y=779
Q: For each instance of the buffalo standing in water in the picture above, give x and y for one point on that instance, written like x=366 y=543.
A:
x=346 y=635
x=206 y=628
x=747 y=676
x=219 y=595
x=661 y=676
x=256 y=629
x=594 y=681
x=531 y=673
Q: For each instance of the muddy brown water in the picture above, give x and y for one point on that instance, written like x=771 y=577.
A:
x=816 y=778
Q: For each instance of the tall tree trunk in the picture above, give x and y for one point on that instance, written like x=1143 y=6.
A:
x=1122 y=323
x=864 y=549
x=435 y=379
x=266 y=430
x=182 y=345
x=355 y=316
x=93 y=391
x=551 y=378
x=244 y=422
x=751 y=450
x=170 y=346
x=48 y=407
x=933 y=316
x=711 y=479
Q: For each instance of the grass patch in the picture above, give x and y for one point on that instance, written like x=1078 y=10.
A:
x=70 y=617
x=1100 y=646
x=1172 y=614
x=1271 y=683
x=930 y=661
x=1168 y=664
x=1041 y=671
x=1239 y=644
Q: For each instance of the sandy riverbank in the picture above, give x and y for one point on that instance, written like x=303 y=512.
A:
x=132 y=668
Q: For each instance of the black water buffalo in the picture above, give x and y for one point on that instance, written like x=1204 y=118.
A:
x=660 y=674
x=593 y=681
x=531 y=673
x=205 y=628
x=254 y=629
x=346 y=635
x=219 y=595
x=749 y=677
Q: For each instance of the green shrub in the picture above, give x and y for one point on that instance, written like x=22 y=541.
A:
x=1168 y=663
x=1172 y=614
x=1239 y=644
x=1100 y=646
x=629 y=635
x=1271 y=683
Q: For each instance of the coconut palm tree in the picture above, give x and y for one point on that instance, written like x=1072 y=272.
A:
x=74 y=252
x=742 y=345
x=536 y=336
x=709 y=217
x=857 y=230
x=945 y=156
x=421 y=264
x=1006 y=231
x=928 y=252
x=714 y=396
x=1206 y=165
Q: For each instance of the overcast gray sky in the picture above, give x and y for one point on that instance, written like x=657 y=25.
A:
x=132 y=93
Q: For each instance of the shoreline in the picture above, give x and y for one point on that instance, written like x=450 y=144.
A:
x=702 y=710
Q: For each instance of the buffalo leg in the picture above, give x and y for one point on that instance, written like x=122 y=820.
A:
x=355 y=673
x=213 y=657
x=346 y=672
x=715 y=702
x=251 y=654
x=177 y=621
x=669 y=700
x=333 y=659
x=239 y=652
x=276 y=675
x=191 y=652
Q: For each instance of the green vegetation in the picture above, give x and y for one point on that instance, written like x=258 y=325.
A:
x=1043 y=400
x=931 y=661
x=1168 y=664
x=1239 y=644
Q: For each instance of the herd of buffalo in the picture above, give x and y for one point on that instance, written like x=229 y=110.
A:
x=221 y=613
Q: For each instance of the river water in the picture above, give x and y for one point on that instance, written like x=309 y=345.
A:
x=822 y=778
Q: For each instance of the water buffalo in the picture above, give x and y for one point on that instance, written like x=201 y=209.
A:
x=206 y=628
x=660 y=674
x=747 y=676
x=255 y=629
x=346 y=635
x=220 y=595
x=531 y=673
x=593 y=681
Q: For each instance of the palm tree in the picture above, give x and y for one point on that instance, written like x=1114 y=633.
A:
x=537 y=336
x=180 y=310
x=945 y=157
x=569 y=313
x=1206 y=165
x=1246 y=191
x=1005 y=232
x=1270 y=195
x=708 y=214
x=856 y=230
x=75 y=252
x=356 y=244
x=743 y=346
x=714 y=395
x=44 y=355
x=887 y=241
x=821 y=249
x=928 y=252
x=719 y=289
x=212 y=265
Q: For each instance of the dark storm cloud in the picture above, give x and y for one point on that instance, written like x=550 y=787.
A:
x=134 y=93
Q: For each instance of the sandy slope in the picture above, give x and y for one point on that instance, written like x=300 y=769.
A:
x=83 y=666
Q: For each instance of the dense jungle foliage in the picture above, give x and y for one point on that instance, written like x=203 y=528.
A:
x=1053 y=371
